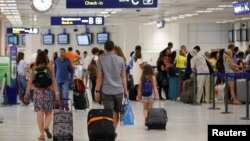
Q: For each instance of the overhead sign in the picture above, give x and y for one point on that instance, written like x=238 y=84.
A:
x=18 y=30
x=241 y=7
x=77 y=20
x=111 y=3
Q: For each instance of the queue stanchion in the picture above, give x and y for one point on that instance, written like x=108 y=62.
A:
x=214 y=107
x=195 y=88
x=226 y=95
x=247 y=100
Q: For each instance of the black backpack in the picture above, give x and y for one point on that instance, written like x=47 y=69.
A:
x=209 y=66
x=42 y=77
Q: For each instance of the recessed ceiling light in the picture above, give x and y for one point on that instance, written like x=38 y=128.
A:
x=210 y=9
x=220 y=8
x=10 y=0
x=234 y=2
x=104 y=12
x=207 y=11
x=200 y=11
x=225 y=6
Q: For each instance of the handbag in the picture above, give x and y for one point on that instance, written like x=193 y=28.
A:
x=127 y=116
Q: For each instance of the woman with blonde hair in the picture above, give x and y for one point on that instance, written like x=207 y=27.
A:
x=231 y=67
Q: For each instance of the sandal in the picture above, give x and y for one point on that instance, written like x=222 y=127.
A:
x=49 y=135
x=41 y=138
x=236 y=102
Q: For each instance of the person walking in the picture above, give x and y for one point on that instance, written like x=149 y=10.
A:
x=63 y=71
x=111 y=78
x=148 y=89
x=43 y=96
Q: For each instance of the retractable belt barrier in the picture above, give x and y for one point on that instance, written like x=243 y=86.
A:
x=245 y=76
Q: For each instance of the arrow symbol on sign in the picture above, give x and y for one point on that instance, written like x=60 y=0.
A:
x=85 y=21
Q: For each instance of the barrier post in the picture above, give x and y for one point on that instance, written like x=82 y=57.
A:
x=213 y=108
x=226 y=96
x=195 y=88
x=247 y=100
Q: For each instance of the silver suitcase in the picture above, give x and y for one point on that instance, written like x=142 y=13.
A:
x=241 y=90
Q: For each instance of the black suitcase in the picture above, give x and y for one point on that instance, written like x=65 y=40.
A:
x=157 y=118
x=81 y=101
x=132 y=93
x=100 y=125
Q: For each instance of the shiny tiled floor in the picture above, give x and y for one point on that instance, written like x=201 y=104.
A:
x=186 y=122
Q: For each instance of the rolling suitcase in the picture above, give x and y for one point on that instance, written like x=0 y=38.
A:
x=81 y=101
x=100 y=125
x=173 y=90
x=187 y=94
x=241 y=90
x=63 y=125
x=157 y=118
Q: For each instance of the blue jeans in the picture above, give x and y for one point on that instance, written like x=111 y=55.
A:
x=63 y=89
x=22 y=83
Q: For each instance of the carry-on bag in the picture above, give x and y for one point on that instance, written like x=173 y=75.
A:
x=100 y=125
x=157 y=118
x=63 y=125
x=81 y=101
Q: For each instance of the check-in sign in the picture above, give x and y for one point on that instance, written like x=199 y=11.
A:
x=111 y=3
x=18 y=30
x=77 y=21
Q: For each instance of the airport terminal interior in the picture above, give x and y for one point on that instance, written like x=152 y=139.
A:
x=178 y=66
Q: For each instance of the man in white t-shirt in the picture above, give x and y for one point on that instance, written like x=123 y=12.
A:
x=86 y=61
x=199 y=65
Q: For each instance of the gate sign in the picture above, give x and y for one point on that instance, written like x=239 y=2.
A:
x=18 y=30
x=77 y=20
x=111 y=3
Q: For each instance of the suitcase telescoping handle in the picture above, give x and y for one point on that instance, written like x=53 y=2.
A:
x=159 y=103
x=71 y=103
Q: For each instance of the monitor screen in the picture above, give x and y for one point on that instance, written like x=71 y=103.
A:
x=63 y=38
x=90 y=37
x=83 y=40
x=231 y=36
x=238 y=35
x=160 y=24
x=48 y=39
x=102 y=38
x=23 y=39
x=13 y=39
x=244 y=35
x=241 y=7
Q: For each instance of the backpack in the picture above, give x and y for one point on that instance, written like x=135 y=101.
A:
x=209 y=66
x=147 y=88
x=42 y=77
x=78 y=86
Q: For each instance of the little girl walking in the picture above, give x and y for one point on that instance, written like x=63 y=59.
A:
x=147 y=89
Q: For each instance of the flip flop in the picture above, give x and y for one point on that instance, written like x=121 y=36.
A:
x=41 y=138
x=49 y=135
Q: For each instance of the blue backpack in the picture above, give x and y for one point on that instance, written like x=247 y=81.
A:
x=147 y=88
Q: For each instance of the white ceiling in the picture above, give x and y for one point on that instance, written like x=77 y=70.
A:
x=186 y=11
